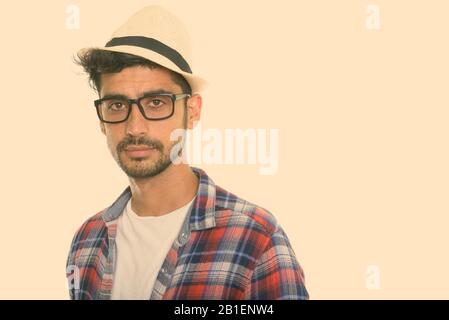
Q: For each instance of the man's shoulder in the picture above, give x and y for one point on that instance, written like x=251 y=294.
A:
x=93 y=227
x=233 y=209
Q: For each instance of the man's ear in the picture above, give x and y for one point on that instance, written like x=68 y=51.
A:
x=103 y=129
x=194 y=105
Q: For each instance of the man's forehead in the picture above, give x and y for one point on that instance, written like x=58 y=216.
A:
x=136 y=81
x=137 y=74
x=123 y=94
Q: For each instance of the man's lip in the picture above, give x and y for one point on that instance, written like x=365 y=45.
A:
x=138 y=151
x=137 y=148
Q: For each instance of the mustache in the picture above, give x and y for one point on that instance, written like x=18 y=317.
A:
x=152 y=143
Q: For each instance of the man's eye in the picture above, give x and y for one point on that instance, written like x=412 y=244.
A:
x=115 y=106
x=156 y=103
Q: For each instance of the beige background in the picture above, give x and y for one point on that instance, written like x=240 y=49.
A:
x=362 y=118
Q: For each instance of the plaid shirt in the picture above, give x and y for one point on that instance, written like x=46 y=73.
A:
x=227 y=248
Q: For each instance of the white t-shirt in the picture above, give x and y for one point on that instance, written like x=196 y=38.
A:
x=142 y=244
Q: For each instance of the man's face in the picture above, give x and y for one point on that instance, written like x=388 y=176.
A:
x=138 y=132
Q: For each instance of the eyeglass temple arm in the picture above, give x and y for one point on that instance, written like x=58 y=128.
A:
x=182 y=95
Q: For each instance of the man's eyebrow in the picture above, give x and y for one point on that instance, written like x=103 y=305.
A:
x=117 y=95
x=114 y=96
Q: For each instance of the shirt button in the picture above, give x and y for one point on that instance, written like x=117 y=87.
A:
x=183 y=236
x=163 y=270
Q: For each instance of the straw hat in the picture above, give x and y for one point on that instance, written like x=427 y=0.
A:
x=155 y=34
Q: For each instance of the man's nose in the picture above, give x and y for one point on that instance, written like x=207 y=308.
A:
x=136 y=123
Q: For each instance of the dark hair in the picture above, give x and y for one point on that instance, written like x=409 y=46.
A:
x=96 y=61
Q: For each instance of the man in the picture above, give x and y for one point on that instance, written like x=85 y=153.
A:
x=173 y=233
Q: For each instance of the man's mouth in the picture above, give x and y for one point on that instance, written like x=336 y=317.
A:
x=137 y=148
x=138 y=151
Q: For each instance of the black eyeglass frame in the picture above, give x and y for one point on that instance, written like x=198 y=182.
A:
x=172 y=96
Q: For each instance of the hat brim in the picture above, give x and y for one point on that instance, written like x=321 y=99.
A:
x=196 y=82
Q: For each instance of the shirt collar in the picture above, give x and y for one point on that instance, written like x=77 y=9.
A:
x=202 y=211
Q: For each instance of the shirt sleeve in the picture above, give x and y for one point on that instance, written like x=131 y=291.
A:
x=71 y=271
x=277 y=274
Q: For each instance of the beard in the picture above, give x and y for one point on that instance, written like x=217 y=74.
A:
x=143 y=167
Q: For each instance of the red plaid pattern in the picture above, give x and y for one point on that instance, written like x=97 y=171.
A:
x=228 y=248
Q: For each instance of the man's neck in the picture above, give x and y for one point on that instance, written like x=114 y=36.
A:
x=161 y=194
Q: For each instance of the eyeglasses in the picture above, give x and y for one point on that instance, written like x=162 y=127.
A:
x=155 y=106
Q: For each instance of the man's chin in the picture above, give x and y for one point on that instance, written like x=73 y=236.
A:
x=142 y=171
